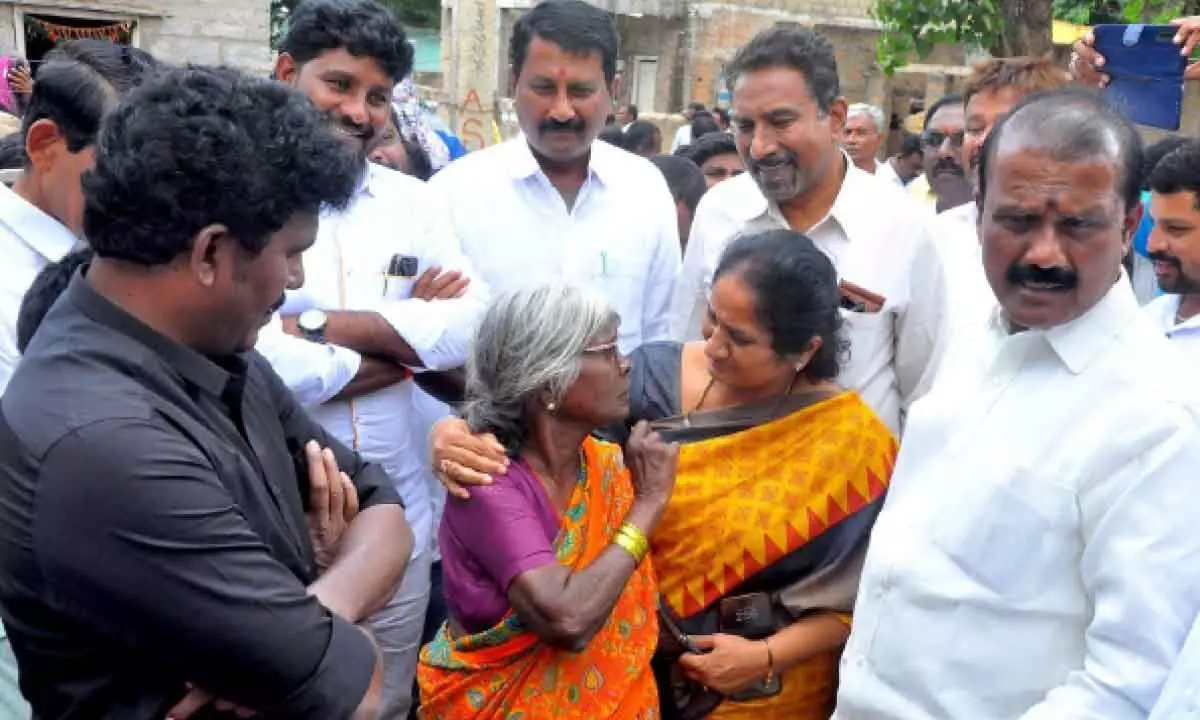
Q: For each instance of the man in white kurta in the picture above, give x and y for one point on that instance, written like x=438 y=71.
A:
x=1034 y=558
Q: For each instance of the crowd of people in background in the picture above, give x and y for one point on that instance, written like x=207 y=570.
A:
x=309 y=413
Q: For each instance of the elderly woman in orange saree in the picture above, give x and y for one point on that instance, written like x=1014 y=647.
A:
x=781 y=475
x=552 y=599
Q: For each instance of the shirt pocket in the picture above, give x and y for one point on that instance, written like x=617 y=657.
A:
x=1014 y=536
x=620 y=279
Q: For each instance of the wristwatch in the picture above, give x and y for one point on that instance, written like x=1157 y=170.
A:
x=312 y=325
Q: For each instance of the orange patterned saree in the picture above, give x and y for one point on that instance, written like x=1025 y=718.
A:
x=783 y=507
x=507 y=673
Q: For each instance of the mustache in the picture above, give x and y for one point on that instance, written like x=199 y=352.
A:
x=364 y=130
x=1165 y=258
x=575 y=125
x=947 y=165
x=774 y=160
x=1059 y=278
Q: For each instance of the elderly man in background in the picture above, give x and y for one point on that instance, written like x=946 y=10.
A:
x=1056 y=584
x=862 y=135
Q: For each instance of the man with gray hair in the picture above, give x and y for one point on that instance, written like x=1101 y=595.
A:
x=863 y=133
x=1055 y=584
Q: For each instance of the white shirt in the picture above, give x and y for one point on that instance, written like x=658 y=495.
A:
x=621 y=237
x=884 y=171
x=683 y=136
x=876 y=239
x=969 y=297
x=29 y=241
x=1180 y=699
x=392 y=214
x=1034 y=558
x=1184 y=335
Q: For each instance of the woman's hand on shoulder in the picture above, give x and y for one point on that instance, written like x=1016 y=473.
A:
x=652 y=463
x=461 y=459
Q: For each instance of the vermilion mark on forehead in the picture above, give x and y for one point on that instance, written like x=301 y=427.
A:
x=560 y=73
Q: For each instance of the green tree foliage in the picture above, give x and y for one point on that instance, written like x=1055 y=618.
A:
x=912 y=28
x=415 y=13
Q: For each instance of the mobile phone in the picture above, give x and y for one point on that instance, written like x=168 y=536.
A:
x=400 y=275
x=1146 y=72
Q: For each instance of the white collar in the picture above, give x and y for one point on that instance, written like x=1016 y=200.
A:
x=523 y=165
x=36 y=228
x=858 y=191
x=1081 y=341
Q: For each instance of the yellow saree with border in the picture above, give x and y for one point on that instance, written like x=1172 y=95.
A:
x=786 y=507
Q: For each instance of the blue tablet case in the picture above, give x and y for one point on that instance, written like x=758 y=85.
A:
x=1146 y=70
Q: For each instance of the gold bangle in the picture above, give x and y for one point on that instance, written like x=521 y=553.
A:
x=633 y=540
x=636 y=546
x=770 y=662
x=633 y=532
x=629 y=546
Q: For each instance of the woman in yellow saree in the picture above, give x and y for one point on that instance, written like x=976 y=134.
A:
x=552 y=599
x=781 y=475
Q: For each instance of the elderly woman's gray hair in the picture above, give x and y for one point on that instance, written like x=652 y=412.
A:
x=873 y=112
x=530 y=340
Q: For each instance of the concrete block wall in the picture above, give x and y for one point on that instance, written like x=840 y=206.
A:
x=228 y=32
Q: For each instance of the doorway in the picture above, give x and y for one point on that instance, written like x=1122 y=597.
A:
x=42 y=32
x=645 y=82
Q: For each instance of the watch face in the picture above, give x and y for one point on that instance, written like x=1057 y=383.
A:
x=311 y=320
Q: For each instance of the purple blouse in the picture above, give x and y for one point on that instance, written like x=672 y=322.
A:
x=503 y=530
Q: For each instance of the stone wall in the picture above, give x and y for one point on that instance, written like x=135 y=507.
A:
x=228 y=32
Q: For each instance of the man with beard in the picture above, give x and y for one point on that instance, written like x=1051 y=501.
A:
x=156 y=536
x=994 y=87
x=388 y=294
x=1033 y=557
x=787 y=120
x=1174 y=246
x=557 y=204
x=943 y=185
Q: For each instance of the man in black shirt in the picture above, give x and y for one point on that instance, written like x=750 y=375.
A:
x=154 y=472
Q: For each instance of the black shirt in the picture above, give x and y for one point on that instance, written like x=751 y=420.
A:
x=152 y=528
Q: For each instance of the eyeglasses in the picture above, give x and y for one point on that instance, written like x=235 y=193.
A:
x=608 y=350
x=933 y=139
